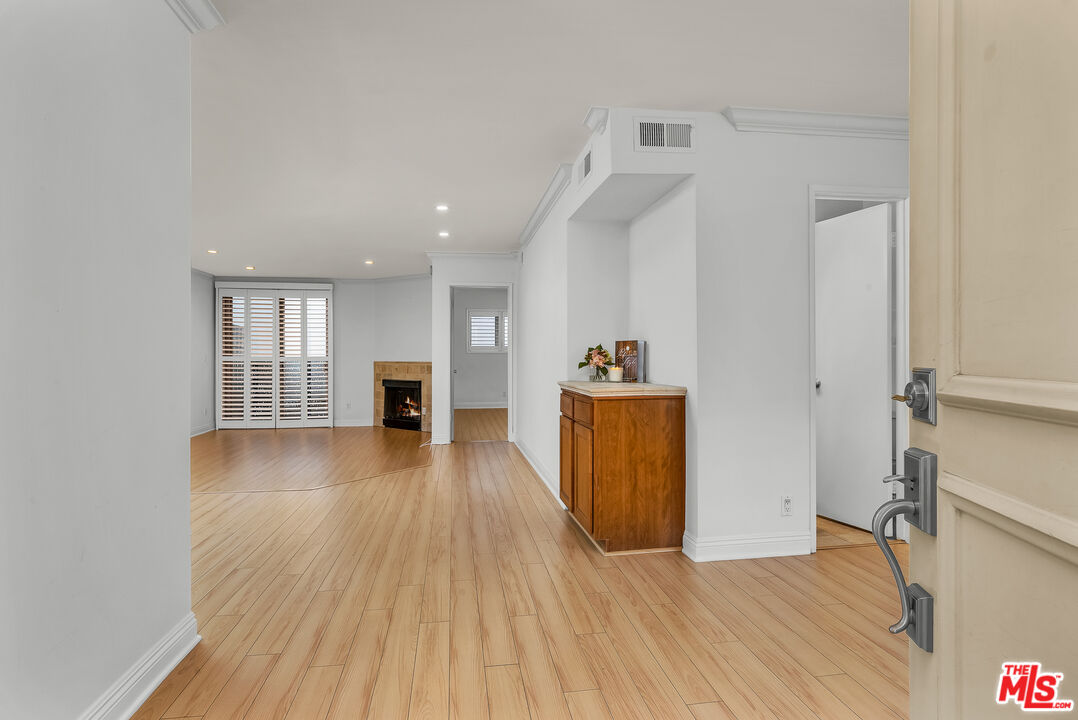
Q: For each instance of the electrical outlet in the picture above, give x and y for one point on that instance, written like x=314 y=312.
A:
x=787 y=505
x=348 y=406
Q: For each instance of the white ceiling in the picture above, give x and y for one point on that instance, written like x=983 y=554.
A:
x=326 y=131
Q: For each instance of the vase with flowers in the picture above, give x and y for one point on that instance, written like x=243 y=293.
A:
x=597 y=360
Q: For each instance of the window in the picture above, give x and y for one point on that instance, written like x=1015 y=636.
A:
x=488 y=331
x=274 y=348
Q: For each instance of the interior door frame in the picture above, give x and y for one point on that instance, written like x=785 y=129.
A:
x=901 y=296
x=510 y=400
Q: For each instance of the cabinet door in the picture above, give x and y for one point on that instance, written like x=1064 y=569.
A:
x=582 y=475
x=566 y=488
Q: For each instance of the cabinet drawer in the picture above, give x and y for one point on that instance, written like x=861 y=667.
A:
x=583 y=411
x=566 y=404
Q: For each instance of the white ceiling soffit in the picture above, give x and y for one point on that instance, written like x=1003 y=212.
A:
x=818 y=123
x=196 y=15
x=596 y=118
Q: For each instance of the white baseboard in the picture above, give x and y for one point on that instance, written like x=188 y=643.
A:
x=439 y=440
x=202 y=430
x=480 y=405
x=352 y=423
x=125 y=696
x=547 y=477
x=741 y=547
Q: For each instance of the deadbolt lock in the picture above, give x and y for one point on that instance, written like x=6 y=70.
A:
x=916 y=395
x=920 y=395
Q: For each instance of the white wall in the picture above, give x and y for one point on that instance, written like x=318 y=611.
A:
x=541 y=347
x=377 y=320
x=598 y=291
x=663 y=307
x=402 y=321
x=203 y=327
x=449 y=270
x=95 y=284
x=353 y=353
x=753 y=328
x=746 y=265
x=481 y=379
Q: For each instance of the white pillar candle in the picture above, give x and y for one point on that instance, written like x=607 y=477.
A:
x=614 y=374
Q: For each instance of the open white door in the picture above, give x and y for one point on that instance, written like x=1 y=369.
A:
x=853 y=365
x=994 y=309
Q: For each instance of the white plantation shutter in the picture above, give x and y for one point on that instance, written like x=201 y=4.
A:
x=488 y=331
x=274 y=354
x=261 y=331
x=318 y=332
x=290 y=360
x=232 y=360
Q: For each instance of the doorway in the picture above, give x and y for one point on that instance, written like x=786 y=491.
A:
x=858 y=349
x=481 y=340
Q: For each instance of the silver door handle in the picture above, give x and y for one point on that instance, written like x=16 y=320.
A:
x=918 y=504
x=885 y=514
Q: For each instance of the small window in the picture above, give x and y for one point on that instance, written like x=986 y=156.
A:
x=488 y=331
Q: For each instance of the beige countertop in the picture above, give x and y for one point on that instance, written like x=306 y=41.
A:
x=614 y=389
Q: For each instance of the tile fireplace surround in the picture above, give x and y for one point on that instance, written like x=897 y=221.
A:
x=402 y=371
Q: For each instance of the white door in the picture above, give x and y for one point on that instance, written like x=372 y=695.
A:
x=994 y=309
x=853 y=366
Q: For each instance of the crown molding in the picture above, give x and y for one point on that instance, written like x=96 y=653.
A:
x=554 y=189
x=375 y=281
x=596 y=118
x=196 y=15
x=510 y=255
x=799 y=122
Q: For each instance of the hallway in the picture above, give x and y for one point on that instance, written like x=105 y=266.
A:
x=457 y=587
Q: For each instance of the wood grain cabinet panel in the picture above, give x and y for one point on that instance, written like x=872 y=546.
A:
x=583 y=475
x=623 y=468
x=566 y=484
x=583 y=411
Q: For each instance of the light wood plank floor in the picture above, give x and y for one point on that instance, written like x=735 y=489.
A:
x=481 y=425
x=460 y=589
x=301 y=459
x=831 y=534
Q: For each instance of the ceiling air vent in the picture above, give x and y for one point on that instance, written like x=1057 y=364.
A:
x=664 y=136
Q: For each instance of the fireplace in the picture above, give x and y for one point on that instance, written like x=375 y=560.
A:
x=403 y=404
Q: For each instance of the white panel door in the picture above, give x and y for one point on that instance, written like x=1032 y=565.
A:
x=853 y=366
x=994 y=309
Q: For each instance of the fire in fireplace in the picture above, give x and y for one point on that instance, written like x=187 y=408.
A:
x=403 y=404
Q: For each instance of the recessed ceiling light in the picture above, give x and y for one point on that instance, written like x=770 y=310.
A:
x=212 y=252
x=443 y=234
x=249 y=267
x=369 y=262
x=442 y=207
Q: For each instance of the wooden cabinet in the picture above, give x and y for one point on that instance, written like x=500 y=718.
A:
x=583 y=475
x=622 y=463
x=566 y=489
